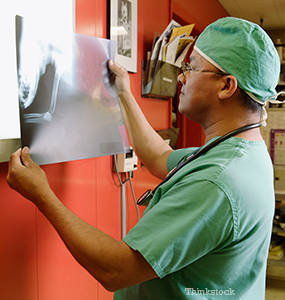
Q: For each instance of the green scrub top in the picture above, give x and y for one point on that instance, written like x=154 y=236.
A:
x=206 y=232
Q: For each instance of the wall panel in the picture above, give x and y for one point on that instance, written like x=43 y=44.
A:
x=18 y=244
x=59 y=275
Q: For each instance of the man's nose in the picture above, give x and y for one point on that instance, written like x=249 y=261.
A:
x=181 y=79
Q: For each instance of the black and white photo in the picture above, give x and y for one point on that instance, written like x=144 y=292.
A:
x=123 y=30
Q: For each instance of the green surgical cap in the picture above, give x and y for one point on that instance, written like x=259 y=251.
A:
x=244 y=50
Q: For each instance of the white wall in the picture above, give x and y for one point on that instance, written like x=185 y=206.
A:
x=57 y=15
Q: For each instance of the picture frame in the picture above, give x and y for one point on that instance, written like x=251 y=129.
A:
x=123 y=30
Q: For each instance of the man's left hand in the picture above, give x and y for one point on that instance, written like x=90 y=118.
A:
x=26 y=177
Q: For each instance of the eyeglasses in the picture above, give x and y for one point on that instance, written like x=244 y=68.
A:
x=188 y=68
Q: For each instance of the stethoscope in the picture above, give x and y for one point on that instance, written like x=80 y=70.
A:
x=147 y=196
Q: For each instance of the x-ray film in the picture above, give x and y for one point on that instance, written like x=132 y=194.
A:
x=69 y=107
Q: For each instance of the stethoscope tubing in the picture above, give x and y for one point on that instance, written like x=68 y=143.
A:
x=194 y=156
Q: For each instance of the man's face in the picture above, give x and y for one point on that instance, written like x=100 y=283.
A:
x=199 y=89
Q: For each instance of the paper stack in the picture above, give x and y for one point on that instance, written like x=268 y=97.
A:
x=164 y=60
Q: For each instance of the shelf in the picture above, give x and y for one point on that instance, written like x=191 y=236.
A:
x=278 y=230
x=276 y=108
x=280 y=196
x=273 y=262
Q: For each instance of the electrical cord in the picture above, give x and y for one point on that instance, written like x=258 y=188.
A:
x=131 y=175
x=125 y=181
x=118 y=175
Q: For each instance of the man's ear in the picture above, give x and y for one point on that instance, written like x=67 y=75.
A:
x=228 y=88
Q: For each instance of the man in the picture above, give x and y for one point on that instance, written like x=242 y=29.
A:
x=206 y=231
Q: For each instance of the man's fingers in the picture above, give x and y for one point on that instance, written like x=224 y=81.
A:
x=14 y=164
x=117 y=69
x=15 y=158
x=26 y=157
x=19 y=159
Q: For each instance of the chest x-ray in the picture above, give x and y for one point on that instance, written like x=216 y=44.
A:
x=69 y=107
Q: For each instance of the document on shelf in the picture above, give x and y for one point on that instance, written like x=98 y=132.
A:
x=183 y=54
x=177 y=33
x=172 y=44
x=178 y=49
x=183 y=31
x=161 y=51
x=166 y=33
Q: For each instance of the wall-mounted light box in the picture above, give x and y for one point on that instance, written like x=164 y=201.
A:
x=58 y=15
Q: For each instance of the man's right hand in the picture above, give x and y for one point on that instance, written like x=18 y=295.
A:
x=122 y=79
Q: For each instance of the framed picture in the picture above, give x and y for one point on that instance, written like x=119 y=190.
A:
x=123 y=30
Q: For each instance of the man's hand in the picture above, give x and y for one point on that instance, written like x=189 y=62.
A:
x=122 y=79
x=26 y=177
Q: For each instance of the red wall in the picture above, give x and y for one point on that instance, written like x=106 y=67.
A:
x=34 y=263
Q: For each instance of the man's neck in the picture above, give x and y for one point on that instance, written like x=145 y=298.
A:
x=219 y=129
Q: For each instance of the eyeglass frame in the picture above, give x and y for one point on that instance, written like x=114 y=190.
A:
x=186 y=67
